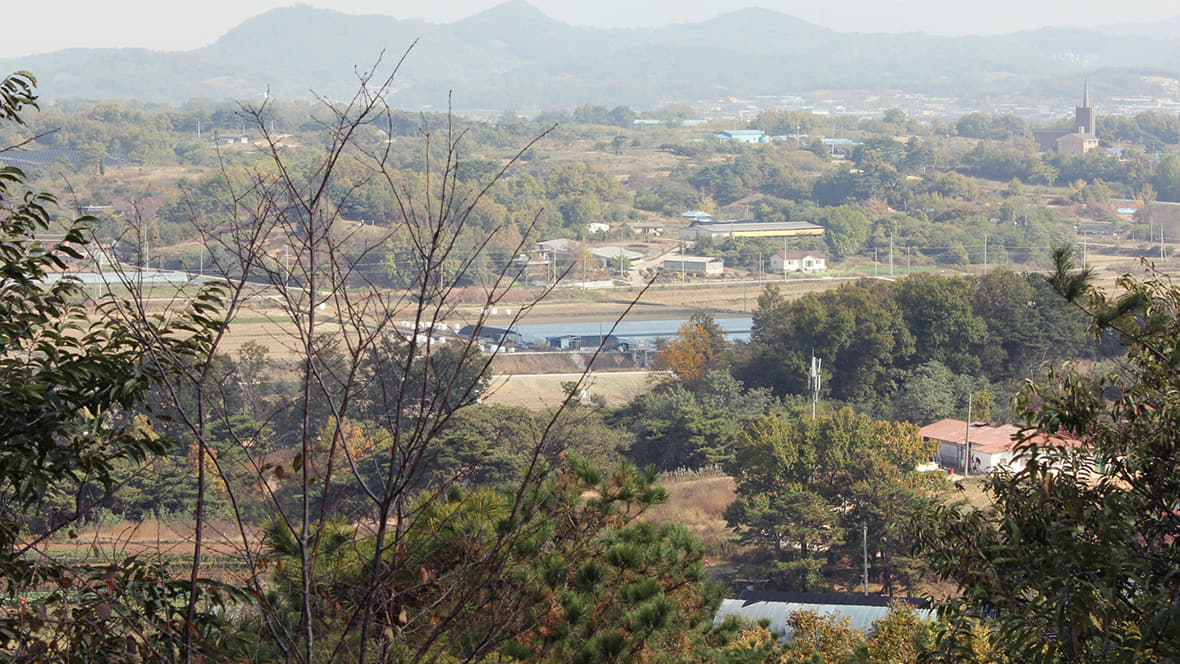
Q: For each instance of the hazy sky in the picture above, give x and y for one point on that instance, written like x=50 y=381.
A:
x=171 y=25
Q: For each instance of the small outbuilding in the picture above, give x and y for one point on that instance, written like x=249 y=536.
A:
x=608 y=256
x=983 y=446
x=498 y=335
x=776 y=608
x=647 y=228
x=743 y=136
x=702 y=265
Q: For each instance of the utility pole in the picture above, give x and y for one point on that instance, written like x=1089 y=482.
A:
x=784 y=259
x=622 y=272
x=682 y=268
x=814 y=376
x=865 y=544
x=891 y=254
x=967 y=439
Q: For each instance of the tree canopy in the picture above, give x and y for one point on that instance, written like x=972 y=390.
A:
x=1076 y=560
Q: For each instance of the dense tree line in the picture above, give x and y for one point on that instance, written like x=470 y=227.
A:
x=879 y=341
x=1103 y=511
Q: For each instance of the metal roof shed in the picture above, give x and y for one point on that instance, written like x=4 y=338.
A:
x=776 y=608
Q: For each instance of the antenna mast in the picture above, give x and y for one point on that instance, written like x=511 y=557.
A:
x=813 y=382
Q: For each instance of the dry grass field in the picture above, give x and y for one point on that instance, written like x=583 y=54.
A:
x=698 y=502
x=167 y=538
x=541 y=391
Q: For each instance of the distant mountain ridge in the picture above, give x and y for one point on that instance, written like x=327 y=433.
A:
x=514 y=56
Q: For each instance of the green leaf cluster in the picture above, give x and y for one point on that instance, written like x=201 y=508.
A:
x=1076 y=559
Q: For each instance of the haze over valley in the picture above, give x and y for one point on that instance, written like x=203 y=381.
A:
x=514 y=56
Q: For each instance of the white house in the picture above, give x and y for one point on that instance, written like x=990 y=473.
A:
x=798 y=261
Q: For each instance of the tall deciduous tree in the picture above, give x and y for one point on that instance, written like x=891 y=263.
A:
x=938 y=313
x=689 y=355
x=374 y=551
x=846 y=230
x=857 y=330
x=805 y=487
x=71 y=381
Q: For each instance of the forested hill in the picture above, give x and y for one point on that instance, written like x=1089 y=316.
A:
x=515 y=57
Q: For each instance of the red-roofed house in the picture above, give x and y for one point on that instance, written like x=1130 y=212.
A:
x=991 y=447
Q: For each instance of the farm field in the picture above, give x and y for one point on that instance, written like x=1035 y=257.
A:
x=539 y=391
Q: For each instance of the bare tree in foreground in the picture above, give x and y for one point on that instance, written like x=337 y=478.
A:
x=370 y=549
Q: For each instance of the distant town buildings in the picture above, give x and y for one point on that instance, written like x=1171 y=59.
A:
x=1161 y=94
x=232 y=139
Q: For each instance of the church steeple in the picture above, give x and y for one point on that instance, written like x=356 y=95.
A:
x=1085 y=118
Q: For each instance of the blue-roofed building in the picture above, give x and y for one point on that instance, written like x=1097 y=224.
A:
x=743 y=136
x=776 y=608
x=697 y=215
x=841 y=145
